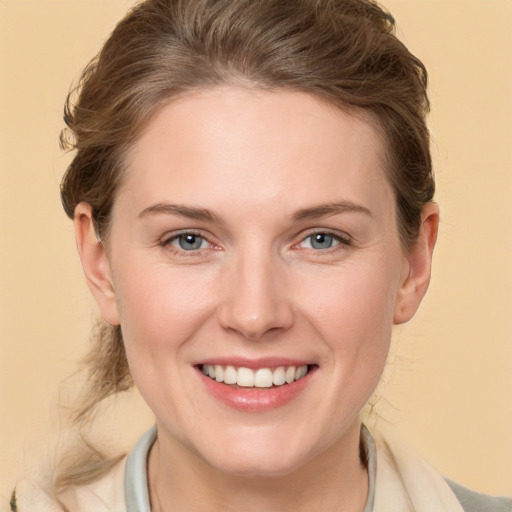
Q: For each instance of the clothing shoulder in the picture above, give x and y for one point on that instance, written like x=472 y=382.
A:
x=472 y=501
x=103 y=495
x=405 y=482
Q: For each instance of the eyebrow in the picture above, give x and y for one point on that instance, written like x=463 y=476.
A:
x=203 y=214
x=325 y=210
x=188 y=212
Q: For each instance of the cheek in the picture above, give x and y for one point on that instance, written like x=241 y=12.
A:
x=158 y=306
x=353 y=317
x=353 y=307
x=160 y=312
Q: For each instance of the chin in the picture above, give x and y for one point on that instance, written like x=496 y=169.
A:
x=256 y=467
x=263 y=458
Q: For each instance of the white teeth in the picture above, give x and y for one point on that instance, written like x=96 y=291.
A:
x=219 y=373
x=263 y=378
x=301 y=372
x=279 y=376
x=230 y=375
x=245 y=377
x=260 y=378
x=290 y=374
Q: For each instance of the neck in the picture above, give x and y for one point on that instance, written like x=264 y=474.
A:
x=333 y=481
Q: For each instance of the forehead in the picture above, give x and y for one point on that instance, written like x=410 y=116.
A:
x=251 y=146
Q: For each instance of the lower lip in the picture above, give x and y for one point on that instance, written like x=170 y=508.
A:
x=255 y=399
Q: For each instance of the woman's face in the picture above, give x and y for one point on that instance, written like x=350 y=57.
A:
x=256 y=230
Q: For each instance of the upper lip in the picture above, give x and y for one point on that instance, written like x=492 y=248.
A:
x=262 y=362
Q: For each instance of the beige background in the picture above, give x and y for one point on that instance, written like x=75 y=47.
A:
x=450 y=385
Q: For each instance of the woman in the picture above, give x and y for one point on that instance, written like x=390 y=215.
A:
x=252 y=201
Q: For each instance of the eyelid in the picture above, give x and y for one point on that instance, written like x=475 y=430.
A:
x=169 y=237
x=343 y=238
x=166 y=242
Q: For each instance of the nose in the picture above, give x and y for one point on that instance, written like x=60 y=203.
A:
x=255 y=300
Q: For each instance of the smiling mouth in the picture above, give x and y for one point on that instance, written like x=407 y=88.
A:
x=258 y=378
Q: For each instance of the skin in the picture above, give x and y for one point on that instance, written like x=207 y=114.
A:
x=261 y=163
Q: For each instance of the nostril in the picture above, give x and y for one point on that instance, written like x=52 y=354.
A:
x=253 y=320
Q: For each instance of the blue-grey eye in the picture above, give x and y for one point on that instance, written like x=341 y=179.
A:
x=321 y=241
x=190 y=242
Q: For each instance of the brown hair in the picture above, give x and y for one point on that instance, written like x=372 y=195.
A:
x=343 y=51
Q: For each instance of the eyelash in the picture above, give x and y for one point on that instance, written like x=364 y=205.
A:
x=167 y=243
x=342 y=242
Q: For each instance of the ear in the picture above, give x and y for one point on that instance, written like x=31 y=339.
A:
x=95 y=263
x=416 y=277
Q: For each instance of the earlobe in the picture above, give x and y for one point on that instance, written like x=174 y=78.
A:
x=419 y=259
x=95 y=263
